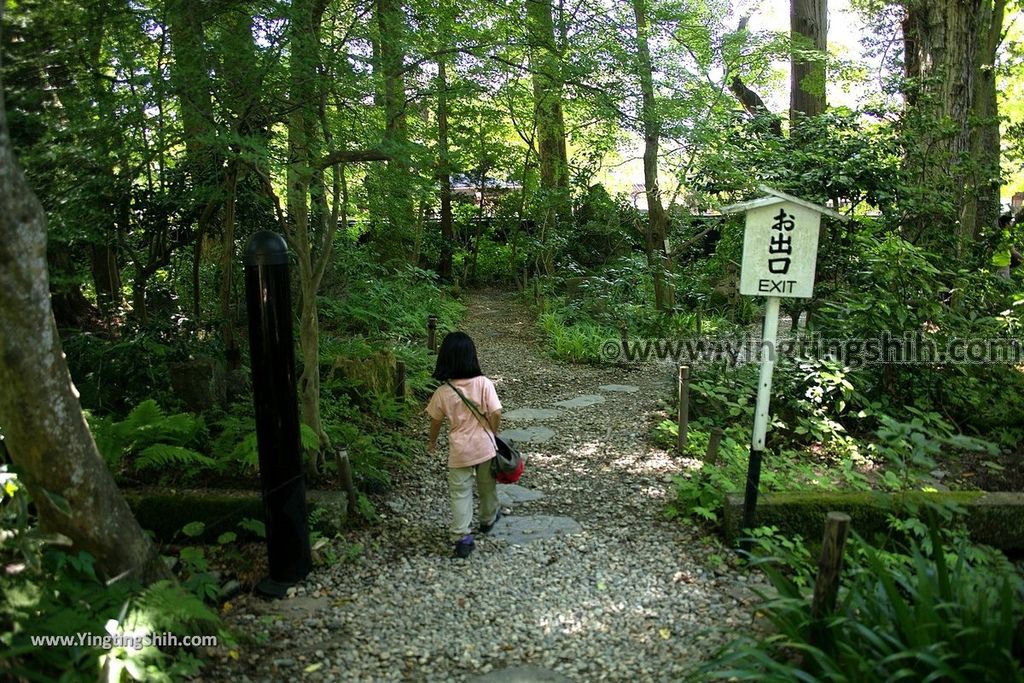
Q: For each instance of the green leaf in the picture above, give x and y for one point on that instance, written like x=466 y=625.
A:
x=193 y=529
x=59 y=502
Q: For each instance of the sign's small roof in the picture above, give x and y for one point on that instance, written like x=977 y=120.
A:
x=777 y=197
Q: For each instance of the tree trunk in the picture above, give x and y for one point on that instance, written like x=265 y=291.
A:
x=302 y=140
x=444 y=171
x=657 y=220
x=981 y=210
x=395 y=242
x=943 y=54
x=190 y=76
x=106 y=276
x=546 y=67
x=808 y=20
x=227 y=271
x=106 y=273
x=44 y=429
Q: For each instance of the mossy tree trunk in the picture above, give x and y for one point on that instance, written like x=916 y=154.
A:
x=549 y=120
x=808 y=20
x=949 y=47
x=395 y=236
x=303 y=148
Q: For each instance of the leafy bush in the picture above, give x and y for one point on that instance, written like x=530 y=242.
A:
x=363 y=298
x=112 y=375
x=48 y=591
x=699 y=493
x=579 y=343
x=949 y=613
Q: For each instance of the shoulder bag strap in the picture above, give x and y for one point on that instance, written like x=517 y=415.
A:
x=476 y=411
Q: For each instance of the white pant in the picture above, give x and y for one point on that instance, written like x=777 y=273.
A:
x=460 y=492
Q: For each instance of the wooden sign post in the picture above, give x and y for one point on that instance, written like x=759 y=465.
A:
x=780 y=252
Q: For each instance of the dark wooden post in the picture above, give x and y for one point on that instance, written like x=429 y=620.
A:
x=711 y=457
x=826 y=587
x=400 y=380
x=432 y=333
x=684 y=406
x=344 y=465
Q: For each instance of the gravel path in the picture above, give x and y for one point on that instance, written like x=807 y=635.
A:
x=631 y=597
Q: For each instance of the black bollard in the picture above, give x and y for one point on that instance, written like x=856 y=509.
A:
x=271 y=346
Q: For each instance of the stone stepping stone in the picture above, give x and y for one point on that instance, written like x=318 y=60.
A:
x=532 y=434
x=620 y=388
x=522 y=530
x=581 y=401
x=510 y=494
x=531 y=414
x=522 y=674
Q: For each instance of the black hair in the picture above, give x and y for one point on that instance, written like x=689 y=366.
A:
x=457 y=358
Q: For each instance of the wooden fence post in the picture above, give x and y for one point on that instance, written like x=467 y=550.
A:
x=684 y=406
x=830 y=565
x=711 y=457
x=432 y=333
x=344 y=465
x=400 y=380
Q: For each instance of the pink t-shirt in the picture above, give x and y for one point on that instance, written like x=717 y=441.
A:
x=469 y=441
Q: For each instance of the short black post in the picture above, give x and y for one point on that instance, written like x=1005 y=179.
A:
x=432 y=333
x=750 y=495
x=272 y=351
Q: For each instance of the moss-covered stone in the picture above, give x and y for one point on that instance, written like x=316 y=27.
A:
x=166 y=512
x=996 y=519
x=374 y=373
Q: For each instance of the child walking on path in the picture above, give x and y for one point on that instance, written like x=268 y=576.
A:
x=470 y=441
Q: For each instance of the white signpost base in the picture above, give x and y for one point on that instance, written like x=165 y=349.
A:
x=769 y=336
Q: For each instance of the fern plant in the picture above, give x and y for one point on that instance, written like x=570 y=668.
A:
x=149 y=440
x=236 y=444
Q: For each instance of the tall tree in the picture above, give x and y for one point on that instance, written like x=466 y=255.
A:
x=249 y=135
x=303 y=150
x=808 y=21
x=190 y=75
x=395 y=236
x=44 y=428
x=947 y=46
x=549 y=120
x=444 y=171
x=981 y=208
x=657 y=219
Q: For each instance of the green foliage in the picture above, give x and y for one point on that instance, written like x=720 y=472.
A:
x=48 y=591
x=366 y=299
x=148 y=440
x=949 y=613
x=579 y=343
x=911 y=448
x=699 y=492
